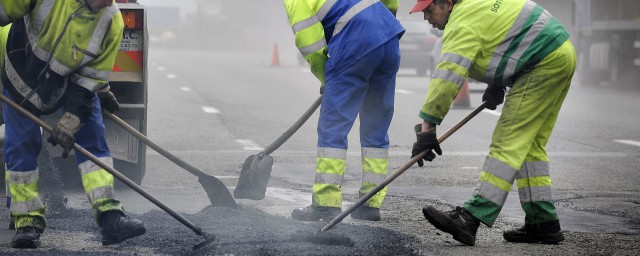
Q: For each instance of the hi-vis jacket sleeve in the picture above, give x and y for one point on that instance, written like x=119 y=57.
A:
x=392 y=5
x=309 y=34
x=459 y=48
x=11 y=10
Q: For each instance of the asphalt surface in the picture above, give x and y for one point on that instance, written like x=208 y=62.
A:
x=596 y=179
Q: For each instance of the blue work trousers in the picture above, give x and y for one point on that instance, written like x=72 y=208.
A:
x=366 y=88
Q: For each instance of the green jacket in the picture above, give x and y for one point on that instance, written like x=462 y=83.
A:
x=492 y=42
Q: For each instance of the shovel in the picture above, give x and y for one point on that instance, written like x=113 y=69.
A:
x=216 y=190
x=402 y=169
x=256 y=170
x=208 y=237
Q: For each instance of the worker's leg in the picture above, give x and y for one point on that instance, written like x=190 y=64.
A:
x=115 y=225
x=342 y=99
x=23 y=141
x=533 y=178
x=375 y=118
x=535 y=97
x=97 y=182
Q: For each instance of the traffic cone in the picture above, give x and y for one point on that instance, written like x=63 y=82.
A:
x=462 y=100
x=275 y=60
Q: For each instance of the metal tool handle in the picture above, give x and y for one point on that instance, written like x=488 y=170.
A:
x=402 y=169
x=108 y=168
x=190 y=168
x=286 y=135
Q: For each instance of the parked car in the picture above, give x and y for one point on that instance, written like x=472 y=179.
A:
x=417 y=46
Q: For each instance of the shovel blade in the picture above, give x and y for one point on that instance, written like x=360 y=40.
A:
x=217 y=192
x=254 y=177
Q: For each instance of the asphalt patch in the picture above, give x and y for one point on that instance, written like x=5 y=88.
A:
x=238 y=231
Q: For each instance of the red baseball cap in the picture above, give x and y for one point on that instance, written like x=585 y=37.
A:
x=420 y=5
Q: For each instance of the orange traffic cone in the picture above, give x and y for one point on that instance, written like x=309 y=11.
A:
x=275 y=60
x=462 y=100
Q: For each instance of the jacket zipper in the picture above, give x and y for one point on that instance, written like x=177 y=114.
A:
x=78 y=49
x=53 y=50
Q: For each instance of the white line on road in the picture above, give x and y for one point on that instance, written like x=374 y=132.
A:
x=249 y=145
x=186 y=89
x=469 y=168
x=210 y=110
x=161 y=68
x=403 y=91
x=629 y=142
x=171 y=76
x=493 y=112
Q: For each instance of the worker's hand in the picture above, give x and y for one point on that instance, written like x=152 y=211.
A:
x=109 y=102
x=321 y=89
x=426 y=140
x=494 y=96
x=63 y=132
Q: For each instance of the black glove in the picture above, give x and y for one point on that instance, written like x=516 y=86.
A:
x=494 y=96
x=425 y=141
x=321 y=89
x=109 y=102
x=64 y=131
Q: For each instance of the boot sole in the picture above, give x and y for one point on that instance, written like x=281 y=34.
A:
x=437 y=223
x=25 y=244
x=544 y=239
x=113 y=238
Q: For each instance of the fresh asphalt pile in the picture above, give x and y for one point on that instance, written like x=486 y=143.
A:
x=240 y=231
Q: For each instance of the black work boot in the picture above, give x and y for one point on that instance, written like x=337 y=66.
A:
x=117 y=227
x=26 y=237
x=546 y=233
x=366 y=213
x=315 y=213
x=459 y=222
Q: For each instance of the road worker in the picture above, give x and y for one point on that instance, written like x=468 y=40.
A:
x=59 y=55
x=512 y=44
x=352 y=48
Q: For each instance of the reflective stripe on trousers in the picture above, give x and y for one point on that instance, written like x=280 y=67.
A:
x=366 y=89
x=519 y=140
x=23 y=141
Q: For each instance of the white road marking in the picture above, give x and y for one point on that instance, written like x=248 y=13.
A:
x=469 y=168
x=403 y=91
x=249 y=145
x=161 y=68
x=186 y=89
x=171 y=76
x=493 y=112
x=629 y=142
x=305 y=70
x=210 y=110
x=295 y=196
x=227 y=177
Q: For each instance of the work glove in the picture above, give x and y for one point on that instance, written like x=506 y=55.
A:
x=109 y=102
x=321 y=89
x=494 y=96
x=63 y=132
x=425 y=141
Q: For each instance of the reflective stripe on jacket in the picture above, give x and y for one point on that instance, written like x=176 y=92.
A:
x=492 y=42
x=55 y=45
x=325 y=28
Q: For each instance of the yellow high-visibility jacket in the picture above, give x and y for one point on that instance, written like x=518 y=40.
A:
x=56 y=49
x=492 y=42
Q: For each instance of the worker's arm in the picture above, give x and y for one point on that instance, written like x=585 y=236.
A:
x=392 y=5
x=94 y=76
x=309 y=34
x=460 y=46
x=11 y=10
